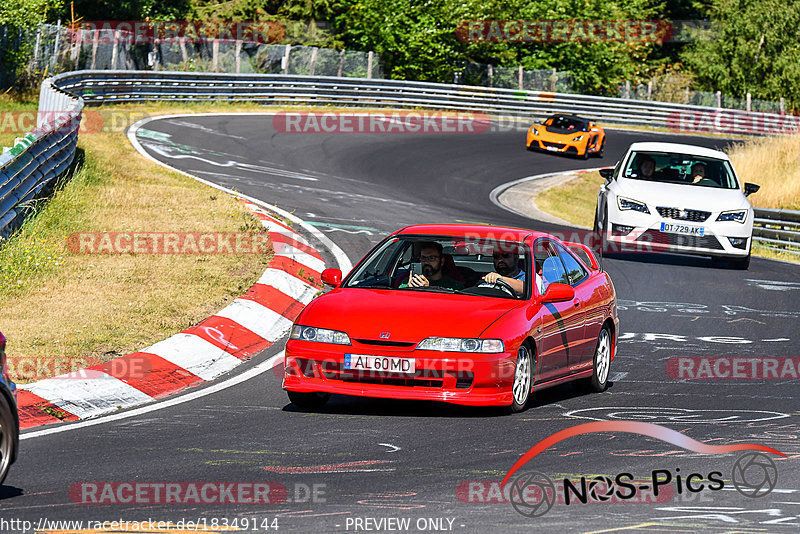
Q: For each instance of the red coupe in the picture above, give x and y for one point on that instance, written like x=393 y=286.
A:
x=466 y=314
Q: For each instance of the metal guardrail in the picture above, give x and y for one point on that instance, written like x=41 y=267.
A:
x=777 y=229
x=35 y=163
x=774 y=228
x=97 y=87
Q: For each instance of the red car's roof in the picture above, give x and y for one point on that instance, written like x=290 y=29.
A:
x=473 y=230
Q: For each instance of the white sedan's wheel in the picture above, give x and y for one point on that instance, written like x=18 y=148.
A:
x=523 y=379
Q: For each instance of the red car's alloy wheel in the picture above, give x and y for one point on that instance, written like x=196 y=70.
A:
x=523 y=379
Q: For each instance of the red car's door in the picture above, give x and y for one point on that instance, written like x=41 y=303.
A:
x=562 y=322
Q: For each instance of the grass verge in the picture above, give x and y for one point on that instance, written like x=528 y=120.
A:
x=62 y=311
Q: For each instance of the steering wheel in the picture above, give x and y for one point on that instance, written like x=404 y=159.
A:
x=502 y=286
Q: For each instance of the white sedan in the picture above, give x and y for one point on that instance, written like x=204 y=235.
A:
x=675 y=198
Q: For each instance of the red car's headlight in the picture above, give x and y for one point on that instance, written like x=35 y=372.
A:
x=457 y=344
x=320 y=335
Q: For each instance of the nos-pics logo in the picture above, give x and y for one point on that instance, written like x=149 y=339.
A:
x=533 y=493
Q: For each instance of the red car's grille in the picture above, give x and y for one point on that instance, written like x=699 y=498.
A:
x=384 y=343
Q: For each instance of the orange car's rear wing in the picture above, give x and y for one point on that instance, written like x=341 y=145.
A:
x=585 y=254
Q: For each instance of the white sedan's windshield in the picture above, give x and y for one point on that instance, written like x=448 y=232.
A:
x=675 y=168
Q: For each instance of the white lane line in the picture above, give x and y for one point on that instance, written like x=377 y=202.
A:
x=195 y=354
x=261 y=368
x=616 y=377
x=257 y=318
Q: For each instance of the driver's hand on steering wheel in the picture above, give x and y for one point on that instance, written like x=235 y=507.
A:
x=491 y=278
x=418 y=280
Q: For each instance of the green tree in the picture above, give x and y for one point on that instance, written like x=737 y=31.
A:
x=755 y=48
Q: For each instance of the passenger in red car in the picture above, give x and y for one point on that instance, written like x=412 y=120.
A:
x=432 y=259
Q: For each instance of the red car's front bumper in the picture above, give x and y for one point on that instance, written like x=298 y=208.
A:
x=457 y=378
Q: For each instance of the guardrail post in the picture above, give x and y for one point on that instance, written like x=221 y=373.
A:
x=215 y=55
x=313 y=66
x=76 y=46
x=719 y=99
x=553 y=80
x=370 y=56
x=749 y=100
x=54 y=59
x=36 y=50
x=783 y=106
x=627 y=95
x=490 y=74
x=114 y=50
x=650 y=90
x=341 y=64
x=95 y=41
x=285 y=63
x=519 y=77
x=184 y=55
x=238 y=56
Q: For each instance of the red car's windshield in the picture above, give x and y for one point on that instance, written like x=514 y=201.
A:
x=448 y=264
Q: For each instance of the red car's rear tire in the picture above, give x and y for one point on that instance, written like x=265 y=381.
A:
x=601 y=364
x=524 y=374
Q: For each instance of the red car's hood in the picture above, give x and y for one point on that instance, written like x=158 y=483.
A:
x=407 y=315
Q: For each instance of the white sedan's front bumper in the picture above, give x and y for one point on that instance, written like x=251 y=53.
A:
x=634 y=231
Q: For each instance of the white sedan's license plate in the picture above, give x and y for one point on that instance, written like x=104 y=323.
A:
x=682 y=229
x=382 y=364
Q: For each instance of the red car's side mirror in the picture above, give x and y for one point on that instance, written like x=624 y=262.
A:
x=558 y=293
x=332 y=277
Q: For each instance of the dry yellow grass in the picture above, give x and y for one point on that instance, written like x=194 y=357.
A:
x=774 y=164
x=62 y=311
x=574 y=201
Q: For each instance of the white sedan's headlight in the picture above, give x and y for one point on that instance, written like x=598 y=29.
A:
x=457 y=344
x=737 y=215
x=630 y=204
x=321 y=335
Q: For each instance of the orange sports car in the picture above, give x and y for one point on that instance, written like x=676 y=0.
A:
x=567 y=134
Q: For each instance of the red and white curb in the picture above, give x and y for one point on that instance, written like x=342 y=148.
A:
x=197 y=355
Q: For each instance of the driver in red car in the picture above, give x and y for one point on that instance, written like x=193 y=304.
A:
x=432 y=259
x=507 y=269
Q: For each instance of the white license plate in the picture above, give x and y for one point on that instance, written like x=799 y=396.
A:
x=381 y=364
x=551 y=148
x=684 y=229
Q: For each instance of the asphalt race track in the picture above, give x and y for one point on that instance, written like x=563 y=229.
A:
x=433 y=463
